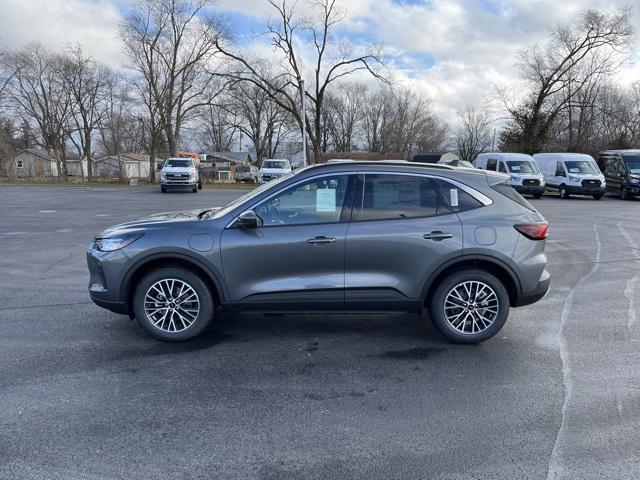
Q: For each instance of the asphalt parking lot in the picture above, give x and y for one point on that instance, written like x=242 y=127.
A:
x=84 y=393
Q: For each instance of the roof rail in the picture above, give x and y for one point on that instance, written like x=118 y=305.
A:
x=390 y=162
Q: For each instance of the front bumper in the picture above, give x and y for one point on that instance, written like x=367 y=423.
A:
x=580 y=190
x=530 y=189
x=106 y=271
x=178 y=183
x=527 y=298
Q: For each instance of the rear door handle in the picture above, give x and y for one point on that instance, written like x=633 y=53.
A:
x=437 y=236
x=321 y=240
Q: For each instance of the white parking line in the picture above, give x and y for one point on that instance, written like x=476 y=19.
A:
x=64 y=230
x=15 y=233
x=47 y=211
x=103 y=215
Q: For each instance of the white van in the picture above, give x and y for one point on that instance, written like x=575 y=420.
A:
x=523 y=170
x=571 y=173
x=273 y=168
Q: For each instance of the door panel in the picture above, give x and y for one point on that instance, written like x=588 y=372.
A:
x=295 y=259
x=276 y=268
x=401 y=232
x=388 y=262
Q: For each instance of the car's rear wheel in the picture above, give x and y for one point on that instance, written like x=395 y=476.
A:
x=469 y=306
x=624 y=193
x=173 y=304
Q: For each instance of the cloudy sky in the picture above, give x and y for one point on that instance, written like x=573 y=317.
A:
x=454 y=51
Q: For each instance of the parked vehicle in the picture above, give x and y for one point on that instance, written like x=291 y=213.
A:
x=571 y=173
x=180 y=173
x=350 y=236
x=273 y=168
x=621 y=169
x=247 y=173
x=523 y=171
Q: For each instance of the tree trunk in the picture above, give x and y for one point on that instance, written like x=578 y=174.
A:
x=87 y=154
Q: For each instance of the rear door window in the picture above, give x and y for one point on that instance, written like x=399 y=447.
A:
x=491 y=164
x=394 y=197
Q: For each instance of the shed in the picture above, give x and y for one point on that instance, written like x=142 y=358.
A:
x=125 y=166
x=29 y=162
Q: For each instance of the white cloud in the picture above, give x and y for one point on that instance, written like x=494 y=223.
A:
x=56 y=23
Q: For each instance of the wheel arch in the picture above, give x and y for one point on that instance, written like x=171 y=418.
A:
x=147 y=264
x=492 y=265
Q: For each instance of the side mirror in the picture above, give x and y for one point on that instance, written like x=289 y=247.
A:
x=247 y=219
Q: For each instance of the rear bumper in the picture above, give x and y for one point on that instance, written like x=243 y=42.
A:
x=527 y=298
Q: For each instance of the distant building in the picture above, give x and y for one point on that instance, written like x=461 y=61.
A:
x=35 y=162
x=127 y=166
x=222 y=165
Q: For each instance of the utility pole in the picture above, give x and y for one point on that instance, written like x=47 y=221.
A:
x=304 y=125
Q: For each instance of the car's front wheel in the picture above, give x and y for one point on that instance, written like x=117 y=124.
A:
x=564 y=193
x=469 y=306
x=173 y=304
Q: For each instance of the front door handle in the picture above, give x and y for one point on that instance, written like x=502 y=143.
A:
x=321 y=240
x=437 y=236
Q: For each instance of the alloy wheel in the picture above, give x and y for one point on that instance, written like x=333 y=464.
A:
x=171 y=305
x=471 y=307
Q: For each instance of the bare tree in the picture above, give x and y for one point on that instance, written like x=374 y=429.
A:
x=86 y=81
x=474 y=134
x=345 y=107
x=331 y=61
x=40 y=95
x=560 y=70
x=219 y=125
x=259 y=118
x=170 y=44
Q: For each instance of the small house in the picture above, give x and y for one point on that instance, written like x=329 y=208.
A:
x=125 y=166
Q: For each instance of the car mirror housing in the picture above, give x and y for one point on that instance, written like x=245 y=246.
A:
x=248 y=219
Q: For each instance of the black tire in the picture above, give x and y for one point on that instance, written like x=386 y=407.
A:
x=564 y=192
x=537 y=196
x=597 y=196
x=163 y=189
x=199 y=184
x=204 y=296
x=195 y=189
x=624 y=193
x=437 y=306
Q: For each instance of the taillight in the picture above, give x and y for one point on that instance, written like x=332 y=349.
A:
x=534 y=231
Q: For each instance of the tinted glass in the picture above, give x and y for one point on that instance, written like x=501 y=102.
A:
x=456 y=199
x=181 y=163
x=316 y=201
x=522 y=166
x=581 y=166
x=390 y=197
x=632 y=162
x=491 y=164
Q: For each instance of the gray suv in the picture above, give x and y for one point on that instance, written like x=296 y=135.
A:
x=340 y=237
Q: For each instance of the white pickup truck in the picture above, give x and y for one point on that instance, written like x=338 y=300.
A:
x=273 y=168
x=180 y=173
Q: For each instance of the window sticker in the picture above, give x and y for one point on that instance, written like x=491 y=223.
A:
x=453 y=193
x=326 y=200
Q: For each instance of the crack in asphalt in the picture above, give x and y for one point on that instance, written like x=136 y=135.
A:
x=555 y=468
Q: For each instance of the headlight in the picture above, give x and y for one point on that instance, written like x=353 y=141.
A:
x=574 y=179
x=192 y=175
x=515 y=179
x=163 y=175
x=634 y=181
x=112 y=244
x=542 y=183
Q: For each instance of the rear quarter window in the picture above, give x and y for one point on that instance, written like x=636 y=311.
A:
x=510 y=193
x=456 y=199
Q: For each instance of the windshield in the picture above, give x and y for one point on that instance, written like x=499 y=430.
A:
x=179 y=162
x=522 y=166
x=247 y=196
x=274 y=164
x=632 y=162
x=581 y=166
